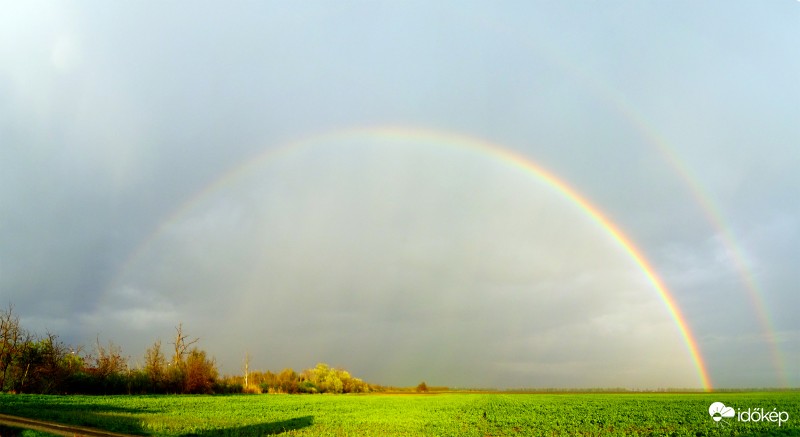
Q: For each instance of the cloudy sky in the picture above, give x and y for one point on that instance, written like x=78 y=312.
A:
x=309 y=181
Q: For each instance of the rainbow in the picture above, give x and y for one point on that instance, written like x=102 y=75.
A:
x=616 y=101
x=732 y=247
x=457 y=141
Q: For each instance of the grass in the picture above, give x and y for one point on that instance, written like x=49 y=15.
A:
x=8 y=431
x=454 y=414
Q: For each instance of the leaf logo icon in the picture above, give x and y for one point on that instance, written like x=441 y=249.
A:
x=718 y=410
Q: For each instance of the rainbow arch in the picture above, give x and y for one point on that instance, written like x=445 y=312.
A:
x=450 y=139
x=618 y=102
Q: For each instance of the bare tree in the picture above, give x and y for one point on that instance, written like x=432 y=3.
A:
x=155 y=363
x=181 y=344
x=12 y=337
x=246 y=369
x=54 y=353
x=109 y=360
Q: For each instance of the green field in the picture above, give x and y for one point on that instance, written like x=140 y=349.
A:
x=456 y=414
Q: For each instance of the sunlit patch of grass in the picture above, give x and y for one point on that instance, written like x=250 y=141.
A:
x=444 y=414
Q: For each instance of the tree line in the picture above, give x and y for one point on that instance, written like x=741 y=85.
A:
x=32 y=363
x=320 y=379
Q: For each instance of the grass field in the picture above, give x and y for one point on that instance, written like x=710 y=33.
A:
x=456 y=414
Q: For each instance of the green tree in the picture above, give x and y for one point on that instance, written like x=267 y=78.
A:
x=40 y=365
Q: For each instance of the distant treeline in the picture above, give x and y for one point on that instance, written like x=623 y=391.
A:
x=320 y=379
x=32 y=363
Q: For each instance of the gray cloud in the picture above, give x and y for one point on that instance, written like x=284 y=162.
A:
x=403 y=261
x=410 y=257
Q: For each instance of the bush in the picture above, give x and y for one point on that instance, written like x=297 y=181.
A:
x=139 y=382
x=308 y=387
x=82 y=382
x=227 y=388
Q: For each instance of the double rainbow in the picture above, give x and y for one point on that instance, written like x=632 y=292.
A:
x=446 y=139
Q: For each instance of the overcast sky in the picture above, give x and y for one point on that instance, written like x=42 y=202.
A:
x=409 y=258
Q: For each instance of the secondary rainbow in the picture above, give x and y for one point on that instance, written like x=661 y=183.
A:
x=617 y=101
x=455 y=141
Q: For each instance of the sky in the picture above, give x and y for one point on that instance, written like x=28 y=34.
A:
x=313 y=182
